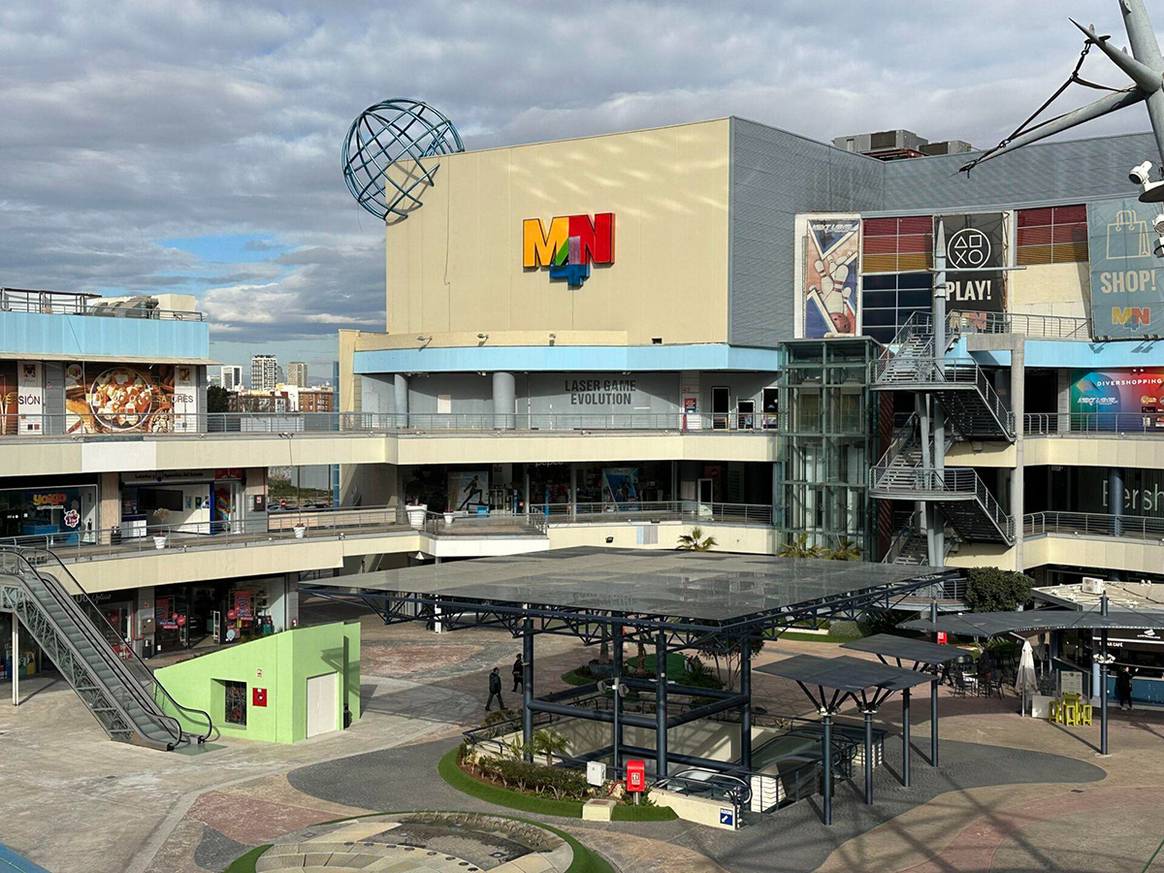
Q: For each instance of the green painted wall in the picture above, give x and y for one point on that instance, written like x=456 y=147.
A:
x=282 y=664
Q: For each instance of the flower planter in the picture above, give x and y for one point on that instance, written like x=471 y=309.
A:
x=300 y=530
x=159 y=542
x=416 y=514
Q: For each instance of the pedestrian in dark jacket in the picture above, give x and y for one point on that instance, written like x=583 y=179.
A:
x=518 y=674
x=1123 y=685
x=495 y=690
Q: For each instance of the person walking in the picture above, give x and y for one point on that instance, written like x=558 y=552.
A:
x=1123 y=687
x=518 y=674
x=494 y=690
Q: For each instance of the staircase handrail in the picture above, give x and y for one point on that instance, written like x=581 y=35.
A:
x=139 y=670
x=985 y=389
x=951 y=480
x=903 y=435
x=175 y=730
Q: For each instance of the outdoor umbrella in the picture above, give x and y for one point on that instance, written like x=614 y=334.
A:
x=1025 y=680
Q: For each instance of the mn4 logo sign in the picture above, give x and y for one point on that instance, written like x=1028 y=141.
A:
x=569 y=246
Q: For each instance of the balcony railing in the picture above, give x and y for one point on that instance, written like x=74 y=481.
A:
x=1038 y=326
x=70 y=425
x=648 y=511
x=1101 y=423
x=68 y=303
x=1093 y=524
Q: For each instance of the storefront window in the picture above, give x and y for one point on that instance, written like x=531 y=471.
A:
x=63 y=515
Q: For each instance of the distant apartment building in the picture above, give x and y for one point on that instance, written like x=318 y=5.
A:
x=297 y=374
x=231 y=377
x=264 y=372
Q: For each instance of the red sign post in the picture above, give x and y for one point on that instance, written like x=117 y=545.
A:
x=636 y=776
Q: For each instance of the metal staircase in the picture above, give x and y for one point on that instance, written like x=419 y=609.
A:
x=973 y=409
x=116 y=686
x=972 y=406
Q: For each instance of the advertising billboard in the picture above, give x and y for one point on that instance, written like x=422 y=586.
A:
x=21 y=398
x=1127 y=280
x=828 y=267
x=130 y=398
x=974 y=244
x=1125 y=400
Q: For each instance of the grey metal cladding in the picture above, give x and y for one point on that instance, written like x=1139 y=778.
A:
x=775 y=175
x=1076 y=170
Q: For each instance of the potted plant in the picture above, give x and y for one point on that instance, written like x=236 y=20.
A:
x=416 y=513
x=160 y=517
x=300 y=529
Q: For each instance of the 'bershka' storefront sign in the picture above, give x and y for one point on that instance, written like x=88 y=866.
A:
x=568 y=246
x=974 y=245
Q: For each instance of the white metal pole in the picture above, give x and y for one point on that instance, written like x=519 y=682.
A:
x=15 y=661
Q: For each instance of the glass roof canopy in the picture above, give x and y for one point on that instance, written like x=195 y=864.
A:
x=709 y=591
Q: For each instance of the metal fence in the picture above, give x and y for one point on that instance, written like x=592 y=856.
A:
x=162 y=423
x=66 y=303
x=1093 y=524
x=649 y=511
x=1103 y=423
x=1033 y=325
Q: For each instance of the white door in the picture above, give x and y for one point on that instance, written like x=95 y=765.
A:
x=322 y=704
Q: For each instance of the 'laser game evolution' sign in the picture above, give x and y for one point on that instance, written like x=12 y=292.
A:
x=974 y=245
x=1127 y=285
x=568 y=246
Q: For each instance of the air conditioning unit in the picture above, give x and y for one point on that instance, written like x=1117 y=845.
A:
x=1091 y=585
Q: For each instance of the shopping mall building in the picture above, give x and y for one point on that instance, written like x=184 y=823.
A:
x=617 y=339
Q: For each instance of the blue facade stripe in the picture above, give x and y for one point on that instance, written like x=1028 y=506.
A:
x=87 y=336
x=598 y=359
x=1072 y=354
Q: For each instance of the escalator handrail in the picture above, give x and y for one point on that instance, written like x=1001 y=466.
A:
x=143 y=670
x=17 y=576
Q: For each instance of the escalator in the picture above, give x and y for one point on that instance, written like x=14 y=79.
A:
x=117 y=687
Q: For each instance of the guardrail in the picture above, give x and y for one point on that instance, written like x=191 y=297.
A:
x=646 y=511
x=68 y=303
x=1050 y=423
x=166 y=423
x=1032 y=325
x=1093 y=524
x=951 y=480
x=117 y=541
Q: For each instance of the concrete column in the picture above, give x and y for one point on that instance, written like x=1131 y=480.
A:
x=1063 y=402
x=1018 y=405
x=255 y=485
x=503 y=400
x=108 y=504
x=15 y=660
x=400 y=399
x=573 y=491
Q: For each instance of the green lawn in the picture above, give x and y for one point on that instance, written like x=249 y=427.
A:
x=463 y=782
x=246 y=863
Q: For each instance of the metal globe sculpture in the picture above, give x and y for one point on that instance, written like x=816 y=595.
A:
x=390 y=155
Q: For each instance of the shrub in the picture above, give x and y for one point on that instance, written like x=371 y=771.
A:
x=556 y=782
x=989 y=589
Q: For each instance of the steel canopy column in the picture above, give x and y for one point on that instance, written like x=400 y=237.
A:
x=826 y=776
x=15 y=660
x=661 y=705
x=746 y=710
x=616 y=747
x=905 y=737
x=868 y=713
x=527 y=681
x=934 y=692
x=1103 y=606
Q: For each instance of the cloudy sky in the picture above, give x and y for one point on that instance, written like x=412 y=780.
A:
x=193 y=146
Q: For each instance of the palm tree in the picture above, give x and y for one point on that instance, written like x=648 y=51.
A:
x=846 y=550
x=549 y=743
x=696 y=541
x=799 y=548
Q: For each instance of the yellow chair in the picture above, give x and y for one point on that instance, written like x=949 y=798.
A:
x=1070 y=709
x=1085 y=713
x=1055 y=711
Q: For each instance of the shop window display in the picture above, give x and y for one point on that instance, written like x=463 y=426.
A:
x=235 y=711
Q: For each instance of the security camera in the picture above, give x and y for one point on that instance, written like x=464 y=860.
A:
x=1158 y=249
x=1158 y=224
x=1141 y=174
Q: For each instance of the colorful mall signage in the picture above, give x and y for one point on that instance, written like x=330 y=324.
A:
x=1124 y=400
x=828 y=251
x=974 y=251
x=568 y=246
x=1127 y=280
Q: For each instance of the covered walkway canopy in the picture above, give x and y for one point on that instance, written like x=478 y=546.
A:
x=675 y=599
x=989 y=624
x=868 y=683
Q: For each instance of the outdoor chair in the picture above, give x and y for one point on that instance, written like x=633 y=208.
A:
x=1055 y=711
x=1070 y=709
x=1085 y=713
